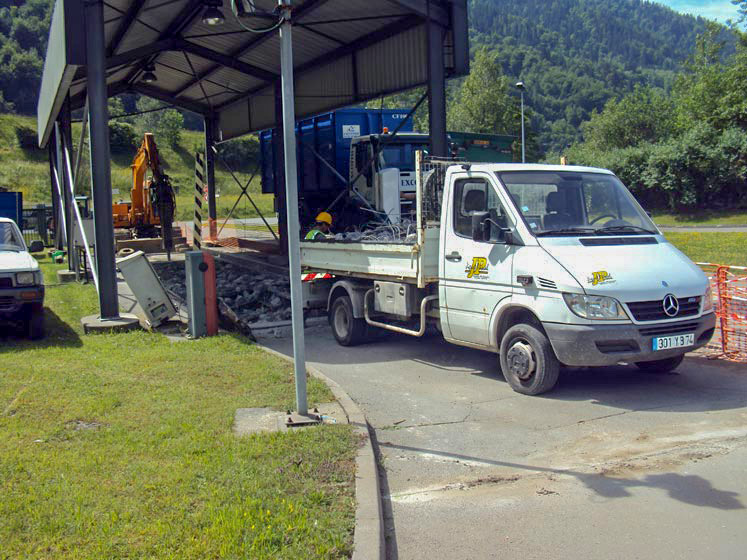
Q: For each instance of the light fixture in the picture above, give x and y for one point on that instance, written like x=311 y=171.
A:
x=149 y=76
x=212 y=14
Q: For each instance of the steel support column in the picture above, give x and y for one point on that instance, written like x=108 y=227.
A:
x=64 y=135
x=56 y=202
x=101 y=185
x=210 y=128
x=291 y=189
x=436 y=89
x=278 y=170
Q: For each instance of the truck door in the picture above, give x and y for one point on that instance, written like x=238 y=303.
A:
x=475 y=275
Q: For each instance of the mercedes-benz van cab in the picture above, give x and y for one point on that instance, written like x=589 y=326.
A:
x=543 y=265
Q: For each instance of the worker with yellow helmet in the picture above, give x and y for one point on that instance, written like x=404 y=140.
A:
x=321 y=228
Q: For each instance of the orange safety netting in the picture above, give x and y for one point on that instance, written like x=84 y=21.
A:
x=729 y=285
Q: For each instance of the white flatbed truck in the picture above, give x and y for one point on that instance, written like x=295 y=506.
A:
x=543 y=265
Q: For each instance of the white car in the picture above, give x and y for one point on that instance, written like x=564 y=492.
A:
x=21 y=281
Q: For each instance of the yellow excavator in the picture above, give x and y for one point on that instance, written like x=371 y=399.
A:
x=152 y=200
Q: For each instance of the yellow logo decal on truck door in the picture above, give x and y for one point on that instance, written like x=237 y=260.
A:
x=478 y=268
x=600 y=277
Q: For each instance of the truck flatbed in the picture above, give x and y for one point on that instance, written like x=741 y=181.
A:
x=415 y=263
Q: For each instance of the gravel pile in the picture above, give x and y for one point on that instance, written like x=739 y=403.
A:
x=251 y=297
x=404 y=232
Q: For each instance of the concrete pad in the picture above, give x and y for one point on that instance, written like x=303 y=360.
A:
x=65 y=276
x=247 y=421
x=95 y=324
x=146 y=245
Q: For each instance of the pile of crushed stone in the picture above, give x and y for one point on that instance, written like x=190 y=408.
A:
x=247 y=296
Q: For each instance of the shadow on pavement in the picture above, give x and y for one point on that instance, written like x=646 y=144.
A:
x=700 y=385
x=59 y=334
x=690 y=489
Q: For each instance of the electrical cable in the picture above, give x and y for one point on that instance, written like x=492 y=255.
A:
x=273 y=27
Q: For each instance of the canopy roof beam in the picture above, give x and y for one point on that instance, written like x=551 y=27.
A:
x=426 y=9
x=301 y=11
x=125 y=26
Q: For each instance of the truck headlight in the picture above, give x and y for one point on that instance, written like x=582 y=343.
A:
x=708 y=299
x=25 y=278
x=595 y=307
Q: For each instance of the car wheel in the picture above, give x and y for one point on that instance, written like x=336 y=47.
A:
x=661 y=366
x=528 y=361
x=34 y=323
x=347 y=330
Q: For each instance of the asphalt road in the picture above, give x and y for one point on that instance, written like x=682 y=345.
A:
x=613 y=464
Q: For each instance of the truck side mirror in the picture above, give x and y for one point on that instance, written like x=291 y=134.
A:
x=36 y=246
x=480 y=227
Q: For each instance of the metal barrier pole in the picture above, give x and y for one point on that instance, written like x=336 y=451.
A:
x=291 y=189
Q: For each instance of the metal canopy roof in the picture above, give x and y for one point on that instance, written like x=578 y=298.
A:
x=344 y=51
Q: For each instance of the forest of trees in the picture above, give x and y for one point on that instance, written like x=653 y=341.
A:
x=574 y=55
x=685 y=149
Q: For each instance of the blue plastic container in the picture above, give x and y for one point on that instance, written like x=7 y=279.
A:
x=329 y=134
x=11 y=206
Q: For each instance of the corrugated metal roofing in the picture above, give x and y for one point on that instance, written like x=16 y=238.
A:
x=345 y=52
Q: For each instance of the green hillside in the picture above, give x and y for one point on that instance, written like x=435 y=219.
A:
x=575 y=55
x=27 y=171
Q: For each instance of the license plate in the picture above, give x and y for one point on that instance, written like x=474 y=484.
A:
x=676 y=341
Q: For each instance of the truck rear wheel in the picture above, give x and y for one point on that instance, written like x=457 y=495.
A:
x=661 y=366
x=347 y=330
x=528 y=361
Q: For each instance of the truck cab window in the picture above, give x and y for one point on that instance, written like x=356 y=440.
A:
x=567 y=202
x=471 y=196
x=9 y=239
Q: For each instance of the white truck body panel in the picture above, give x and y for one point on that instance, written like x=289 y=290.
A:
x=417 y=264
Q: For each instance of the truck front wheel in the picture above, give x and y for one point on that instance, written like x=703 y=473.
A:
x=34 y=322
x=528 y=361
x=347 y=330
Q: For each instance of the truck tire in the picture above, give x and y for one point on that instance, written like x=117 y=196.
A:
x=34 y=323
x=661 y=366
x=528 y=361
x=347 y=330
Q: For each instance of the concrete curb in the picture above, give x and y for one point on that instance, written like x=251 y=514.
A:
x=368 y=540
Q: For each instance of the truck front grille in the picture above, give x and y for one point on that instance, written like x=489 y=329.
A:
x=7 y=303
x=672 y=328
x=6 y=283
x=654 y=310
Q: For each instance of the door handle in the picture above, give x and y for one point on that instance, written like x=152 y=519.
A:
x=454 y=256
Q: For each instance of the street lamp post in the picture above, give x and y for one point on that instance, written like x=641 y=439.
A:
x=520 y=87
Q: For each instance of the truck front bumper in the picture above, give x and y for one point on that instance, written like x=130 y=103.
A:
x=604 y=345
x=13 y=300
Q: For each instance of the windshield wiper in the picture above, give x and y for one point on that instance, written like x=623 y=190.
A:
x=619 y=229
x=568 y=231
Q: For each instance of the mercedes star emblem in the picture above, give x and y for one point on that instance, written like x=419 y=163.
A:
x=671 y=305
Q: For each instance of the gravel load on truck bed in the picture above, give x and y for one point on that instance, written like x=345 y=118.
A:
x=404 y=232
x=252 y=296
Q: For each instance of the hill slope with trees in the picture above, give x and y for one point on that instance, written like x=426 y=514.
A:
x=574 y=55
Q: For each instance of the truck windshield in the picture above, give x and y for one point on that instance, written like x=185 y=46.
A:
x=399 y=156
x=557 y=203
x=9 y=238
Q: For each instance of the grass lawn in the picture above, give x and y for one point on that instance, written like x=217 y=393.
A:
x=712 y=247
x=120 y=446
x=723 y=218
